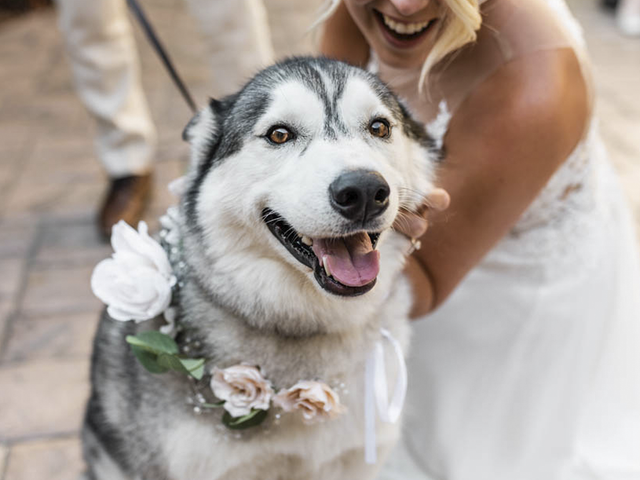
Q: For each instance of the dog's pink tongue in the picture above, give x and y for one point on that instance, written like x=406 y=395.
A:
x=351 y=260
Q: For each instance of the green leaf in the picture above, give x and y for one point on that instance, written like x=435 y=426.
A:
x=195 y=366
x=212 y=405
x=159 y=352
x=256 y=417
x=172 y=362
x=148 y=360
x=154 y=341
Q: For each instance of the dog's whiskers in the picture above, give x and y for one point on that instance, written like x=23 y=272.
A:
x=402 y=221
x=289 y=230
x=277 y=218
x=409 y=195
x=274 y=220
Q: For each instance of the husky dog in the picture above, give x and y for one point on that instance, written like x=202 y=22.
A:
x=291 y=264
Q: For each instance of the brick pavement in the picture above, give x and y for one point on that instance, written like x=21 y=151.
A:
x=50 y=186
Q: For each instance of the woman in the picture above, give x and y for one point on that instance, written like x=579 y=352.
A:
x=528 y=363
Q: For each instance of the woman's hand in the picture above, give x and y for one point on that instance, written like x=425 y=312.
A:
x=414 y=224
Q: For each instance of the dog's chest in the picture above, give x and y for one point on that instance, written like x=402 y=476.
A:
x=200 y=447
x=330 y=358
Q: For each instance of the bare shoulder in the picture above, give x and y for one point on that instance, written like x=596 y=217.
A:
x=541 y=98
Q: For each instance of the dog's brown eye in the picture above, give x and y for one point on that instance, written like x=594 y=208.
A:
x=379 y=128
x=279 y=135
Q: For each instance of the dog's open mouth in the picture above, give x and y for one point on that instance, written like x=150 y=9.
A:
x=346 y=266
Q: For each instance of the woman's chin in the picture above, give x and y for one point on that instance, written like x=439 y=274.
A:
x=404 y=59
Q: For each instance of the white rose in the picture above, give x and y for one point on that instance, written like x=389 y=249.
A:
x=135 y=283
x=170 y=221
x=243 y=388
x=316 y=400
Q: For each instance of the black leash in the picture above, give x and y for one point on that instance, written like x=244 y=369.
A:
x=162 y=53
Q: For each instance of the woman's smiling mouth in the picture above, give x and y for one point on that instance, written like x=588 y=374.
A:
x=403 y=34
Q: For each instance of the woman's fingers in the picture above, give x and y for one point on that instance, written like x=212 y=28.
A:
x=413 y=224
x=438 y=199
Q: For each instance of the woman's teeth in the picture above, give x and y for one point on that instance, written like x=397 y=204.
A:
x=404 y=28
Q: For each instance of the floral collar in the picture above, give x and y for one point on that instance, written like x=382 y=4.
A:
x=138 y=283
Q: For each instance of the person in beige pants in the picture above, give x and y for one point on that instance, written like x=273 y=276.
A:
x=100 y=45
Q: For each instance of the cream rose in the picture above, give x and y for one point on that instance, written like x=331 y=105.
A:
x=316 y=400
x=135 y=283
x=243 y=388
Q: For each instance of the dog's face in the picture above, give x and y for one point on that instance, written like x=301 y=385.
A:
x=295 y=181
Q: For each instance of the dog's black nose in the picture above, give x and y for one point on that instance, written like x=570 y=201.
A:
x=360 y=195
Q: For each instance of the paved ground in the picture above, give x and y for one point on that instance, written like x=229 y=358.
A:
x=50 y=186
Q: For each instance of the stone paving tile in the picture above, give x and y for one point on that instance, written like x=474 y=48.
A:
x=617 y=73
x=285 y=14
x=57 y=114
x=58 y=336
x=73 y=242
x=172 y=159
x=11 y=274
x=59 y=459
x=60 y=177
x=631 y=187
x=7 y=309
x=173 y=115
x=17 y=237
x=165 y=172
x=13 y=136
x=620 y=136
x=53 y=290
x=11 y=278
x=4 y=453
x=10 y=163
x=42 y=397
x=16 y=240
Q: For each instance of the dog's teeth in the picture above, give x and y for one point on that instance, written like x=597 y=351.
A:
x=307 y=241
x=326 y=265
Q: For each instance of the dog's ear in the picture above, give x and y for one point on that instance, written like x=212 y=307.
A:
x=203 y=131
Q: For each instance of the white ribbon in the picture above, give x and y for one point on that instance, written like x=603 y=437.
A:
x=376 y=392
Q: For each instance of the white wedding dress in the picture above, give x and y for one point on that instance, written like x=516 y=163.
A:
x=531 y=369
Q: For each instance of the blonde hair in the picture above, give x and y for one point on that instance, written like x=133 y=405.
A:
x=461 y=21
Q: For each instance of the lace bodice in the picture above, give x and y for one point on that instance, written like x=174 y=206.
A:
x=561 y=226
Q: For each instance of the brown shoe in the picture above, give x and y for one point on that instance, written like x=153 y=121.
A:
x=126 y=200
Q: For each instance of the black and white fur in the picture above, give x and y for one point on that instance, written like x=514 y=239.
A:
x=247 y=299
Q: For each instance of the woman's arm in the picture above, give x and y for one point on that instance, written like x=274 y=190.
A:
x=503 y=144
x=342 y=40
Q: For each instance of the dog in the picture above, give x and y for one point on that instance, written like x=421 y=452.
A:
x=291 y=264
